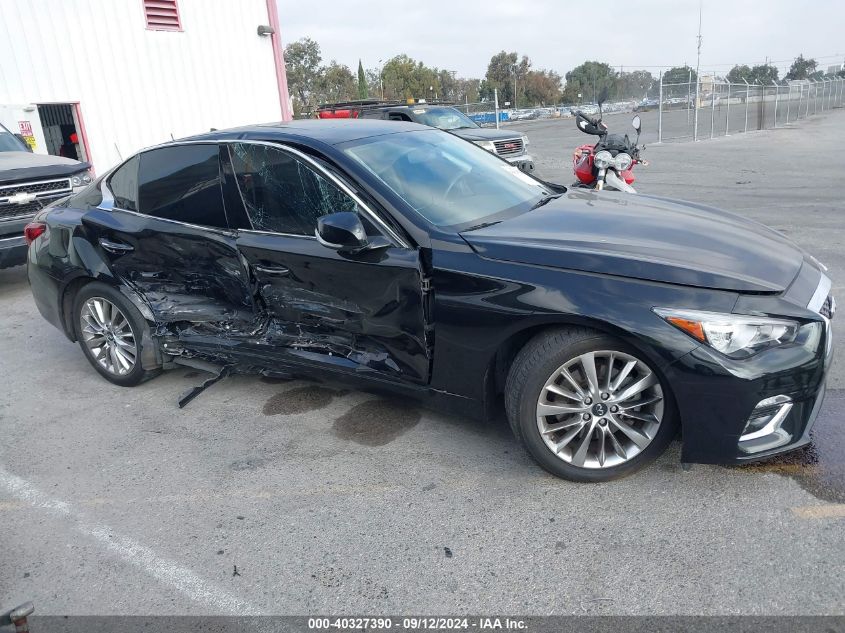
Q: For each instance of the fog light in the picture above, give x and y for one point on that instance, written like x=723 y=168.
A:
x=763 y=430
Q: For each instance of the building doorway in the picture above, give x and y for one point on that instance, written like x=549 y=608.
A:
x=64 y=133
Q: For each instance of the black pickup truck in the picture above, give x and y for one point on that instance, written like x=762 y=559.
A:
x=29 y=182
x=511 y=146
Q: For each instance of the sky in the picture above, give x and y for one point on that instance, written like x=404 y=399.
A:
x=462 y=35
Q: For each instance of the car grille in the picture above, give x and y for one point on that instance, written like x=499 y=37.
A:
x=45 y=191
x=828 y=307
x=509 y=147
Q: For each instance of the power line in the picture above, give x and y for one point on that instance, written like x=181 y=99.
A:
x=732 y=64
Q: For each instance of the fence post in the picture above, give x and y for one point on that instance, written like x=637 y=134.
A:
x=830 y=92
x=777 y=94
x=496 y=105
x=713 y=107
x=815 y=97
x=808 y=98
x=728 y=110
x=800 y=98
x=747 y=90
x=660 y=110
x=689 y=94
x=788 y=100
x=695 y=117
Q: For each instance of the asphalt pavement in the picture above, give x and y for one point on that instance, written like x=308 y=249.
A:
x=266 y=496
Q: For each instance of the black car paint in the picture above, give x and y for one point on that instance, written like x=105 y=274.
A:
x=450 y=345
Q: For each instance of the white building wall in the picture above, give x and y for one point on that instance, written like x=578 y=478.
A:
x=137 y=87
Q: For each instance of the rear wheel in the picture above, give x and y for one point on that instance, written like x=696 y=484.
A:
x=110 y=331
x=588 y=407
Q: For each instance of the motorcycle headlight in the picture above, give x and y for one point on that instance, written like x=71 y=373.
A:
x=603 y=159
x=734 y=335
x=82 y=179
x=622 y=161
x=488 y=145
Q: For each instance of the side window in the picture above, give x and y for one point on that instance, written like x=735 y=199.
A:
x=281 y=193
x=123 y=184
x=182 y=182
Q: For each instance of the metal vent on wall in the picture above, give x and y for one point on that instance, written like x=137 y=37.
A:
x=162 y=15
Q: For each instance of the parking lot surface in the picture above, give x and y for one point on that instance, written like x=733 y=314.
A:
x=266 y=496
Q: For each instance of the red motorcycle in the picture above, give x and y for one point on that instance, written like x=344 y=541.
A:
x=609 y=163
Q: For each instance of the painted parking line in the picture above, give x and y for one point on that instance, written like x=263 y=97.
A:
x=130 y=550
x=829 y=511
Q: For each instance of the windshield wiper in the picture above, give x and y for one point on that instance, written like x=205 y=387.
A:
x=543 y=201
x=480 y=226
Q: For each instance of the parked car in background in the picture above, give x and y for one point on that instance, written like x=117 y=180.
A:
x=28 y=182
x=511 y=146
x=400 y=257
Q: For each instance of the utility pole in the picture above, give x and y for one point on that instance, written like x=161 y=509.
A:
x=697 y=76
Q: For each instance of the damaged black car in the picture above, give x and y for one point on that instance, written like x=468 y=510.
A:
x=405 y=259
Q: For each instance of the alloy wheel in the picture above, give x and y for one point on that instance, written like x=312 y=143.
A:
x=600 y=409
x=108 y=335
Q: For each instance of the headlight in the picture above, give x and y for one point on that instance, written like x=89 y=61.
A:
x=603 y=159
x=735 y=335
x=622 y=161
x=488 y=145
x=82 y=179
x=525 y=141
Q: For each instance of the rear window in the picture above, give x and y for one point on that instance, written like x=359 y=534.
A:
x=124 y=185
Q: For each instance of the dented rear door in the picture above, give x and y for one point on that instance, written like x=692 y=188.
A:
x=165 y=234
x=361 y=313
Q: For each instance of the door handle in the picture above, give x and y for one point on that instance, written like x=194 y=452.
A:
x=276 y=271
x=115 y=247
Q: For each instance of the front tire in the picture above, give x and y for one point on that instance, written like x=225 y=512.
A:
x=111 y=333
x=588 y=407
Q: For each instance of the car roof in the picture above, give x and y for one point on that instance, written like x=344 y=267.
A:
x=328 y=131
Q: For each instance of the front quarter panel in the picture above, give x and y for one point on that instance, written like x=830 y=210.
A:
x=480 y=304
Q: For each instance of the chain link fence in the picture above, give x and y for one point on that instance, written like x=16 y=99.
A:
x=696 y=110
x=710 y=108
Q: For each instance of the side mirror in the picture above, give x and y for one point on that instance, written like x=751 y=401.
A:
x=342 y=232
x=636 y=123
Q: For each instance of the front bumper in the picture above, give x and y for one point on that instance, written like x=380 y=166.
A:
x=525 y=162
x=717 y=396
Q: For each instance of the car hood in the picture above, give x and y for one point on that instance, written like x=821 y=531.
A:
x=484 y=134
x=645 y=237
x=18 y=166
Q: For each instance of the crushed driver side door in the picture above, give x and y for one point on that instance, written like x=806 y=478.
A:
x=362 y=313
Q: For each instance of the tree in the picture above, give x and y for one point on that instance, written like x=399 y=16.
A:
x=801 y=68
x=405 y=78
x=589 y=79
x=636 y=84
x=503 y=72
x=335 y=83
x=449 y=85
x=542 y=87
x=676 y=81
x=363 y=91
x=740 y=74
x=764 y=74
x=302 y=63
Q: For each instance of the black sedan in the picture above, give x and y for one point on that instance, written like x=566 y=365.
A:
x=403 y=258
